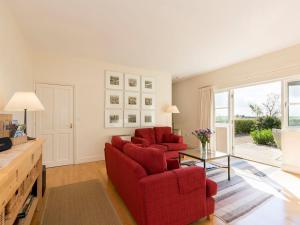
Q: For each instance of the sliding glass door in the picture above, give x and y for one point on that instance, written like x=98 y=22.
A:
x=249 y=119
x=257 y=122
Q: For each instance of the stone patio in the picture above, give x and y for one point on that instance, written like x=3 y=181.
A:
x=245 y=148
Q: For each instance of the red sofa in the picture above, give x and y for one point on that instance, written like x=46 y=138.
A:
x=160 y=138
x=155 y=190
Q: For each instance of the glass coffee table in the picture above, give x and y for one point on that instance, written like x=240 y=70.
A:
x=206 y=157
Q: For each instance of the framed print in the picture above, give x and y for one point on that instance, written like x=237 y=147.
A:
x=147 y=118
x=148 y=84
x=132 y=100
x=114 y=80
x=148 y=101
x=131 y=118
x=132 y=82
x=113 y=118
x=113 y=99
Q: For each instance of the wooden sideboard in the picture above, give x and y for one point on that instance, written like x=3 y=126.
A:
x=20 y=176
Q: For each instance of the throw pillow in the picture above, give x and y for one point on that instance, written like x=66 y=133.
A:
x=118 y=143
x=153 y=160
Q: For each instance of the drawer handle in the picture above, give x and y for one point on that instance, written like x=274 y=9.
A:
x=32 y=158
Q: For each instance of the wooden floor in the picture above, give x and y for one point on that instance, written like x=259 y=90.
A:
x=277 y=211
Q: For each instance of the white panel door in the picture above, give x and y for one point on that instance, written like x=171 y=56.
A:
x=55 y=124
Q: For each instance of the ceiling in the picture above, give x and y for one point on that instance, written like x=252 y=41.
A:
x=182 y=37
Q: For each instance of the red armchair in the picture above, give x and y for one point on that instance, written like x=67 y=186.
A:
x=160 y=138
x=160 y=195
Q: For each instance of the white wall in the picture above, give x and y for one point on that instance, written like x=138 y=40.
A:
x=15 y=61
x=290 y=140
x=87 y=76
x=19 y=68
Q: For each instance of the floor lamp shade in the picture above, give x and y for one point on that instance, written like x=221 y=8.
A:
x=24 y=101
x=172 y=109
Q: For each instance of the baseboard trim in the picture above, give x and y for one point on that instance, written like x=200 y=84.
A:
x=88 y=159
x=291 y=169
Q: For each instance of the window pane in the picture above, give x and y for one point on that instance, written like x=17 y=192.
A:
x=221 y=100
x=221 y=115
x=294 y=115
x=294 y=92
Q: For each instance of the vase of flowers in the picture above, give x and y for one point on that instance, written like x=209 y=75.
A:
x=204 y=136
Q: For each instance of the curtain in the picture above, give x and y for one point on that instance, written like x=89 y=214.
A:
x=205 y=111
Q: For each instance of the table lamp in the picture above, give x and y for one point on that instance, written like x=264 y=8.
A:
x=24 y=101
x=172 y=109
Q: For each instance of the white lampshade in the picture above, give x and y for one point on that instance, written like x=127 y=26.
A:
x=172 y=109
x=24 y=100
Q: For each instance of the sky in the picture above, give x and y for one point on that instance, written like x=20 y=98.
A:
x=257 y=94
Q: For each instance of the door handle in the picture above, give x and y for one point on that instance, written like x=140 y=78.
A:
x=71 y=125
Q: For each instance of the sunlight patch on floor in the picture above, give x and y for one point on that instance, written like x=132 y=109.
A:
x=290 y=183
x=260 y=184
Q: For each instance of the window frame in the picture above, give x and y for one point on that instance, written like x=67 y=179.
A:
x=288 y=103
x=216 y=108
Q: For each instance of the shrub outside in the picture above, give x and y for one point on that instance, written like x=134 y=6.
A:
x=268 y=122
x=263 y=137
x=244 y=126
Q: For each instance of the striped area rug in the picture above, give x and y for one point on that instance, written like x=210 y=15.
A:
x=247 y=189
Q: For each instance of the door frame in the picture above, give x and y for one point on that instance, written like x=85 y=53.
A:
x=75 y=153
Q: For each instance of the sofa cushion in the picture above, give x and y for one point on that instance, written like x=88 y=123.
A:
x=168 y=138
x=118 y=143
x=153 y=160
x=146 y=133
x=160 y=132
x=175 y=146
x=161 y=147
x=172 y=138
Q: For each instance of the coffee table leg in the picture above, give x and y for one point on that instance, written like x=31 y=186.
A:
x=229 y=167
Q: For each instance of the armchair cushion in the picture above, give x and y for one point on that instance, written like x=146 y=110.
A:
x=175 y=146
x=118 y=143
x=171 y=155
x=153 y=160
x=146 y=133
x=190 y=179
x=160 y=132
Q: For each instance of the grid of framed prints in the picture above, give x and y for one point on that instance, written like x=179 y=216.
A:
x=129 y=100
